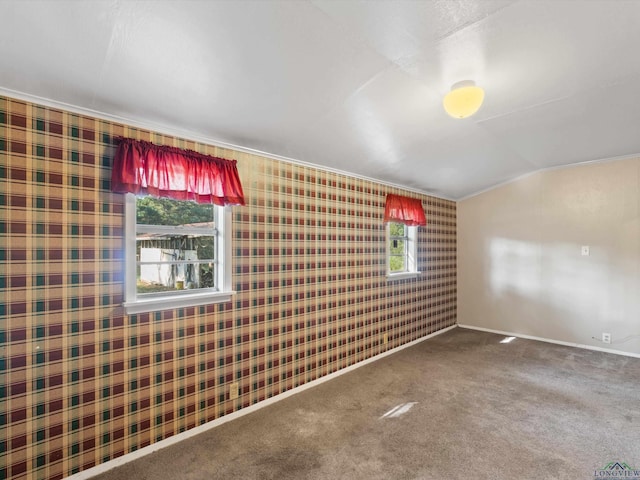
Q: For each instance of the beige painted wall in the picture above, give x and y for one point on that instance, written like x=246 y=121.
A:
x=520 y=267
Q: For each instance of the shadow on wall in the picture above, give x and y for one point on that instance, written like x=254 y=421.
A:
x=554 y=289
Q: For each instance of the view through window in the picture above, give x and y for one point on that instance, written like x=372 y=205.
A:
x=401 y=250
x=176 y=246
x=398 y=241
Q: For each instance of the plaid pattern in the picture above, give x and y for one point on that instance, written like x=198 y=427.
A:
x=83 y=383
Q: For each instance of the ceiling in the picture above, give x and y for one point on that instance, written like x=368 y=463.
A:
x=350 y=85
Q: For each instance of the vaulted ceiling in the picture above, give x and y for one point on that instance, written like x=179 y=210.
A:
x=350 y=85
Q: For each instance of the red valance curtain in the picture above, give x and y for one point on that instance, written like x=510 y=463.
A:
x=145 y=168
x=405 y=210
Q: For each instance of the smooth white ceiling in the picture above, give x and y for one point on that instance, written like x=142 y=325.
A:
x=349 y=85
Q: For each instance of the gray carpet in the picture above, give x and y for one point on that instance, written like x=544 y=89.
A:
x=483 y=410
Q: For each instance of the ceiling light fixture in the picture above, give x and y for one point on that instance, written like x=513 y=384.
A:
x=463 y=100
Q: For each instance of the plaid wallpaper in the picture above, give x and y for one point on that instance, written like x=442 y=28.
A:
x=83 y=383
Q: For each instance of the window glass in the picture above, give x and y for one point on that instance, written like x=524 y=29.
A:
x=165 y=211
x=175 y=246
x=401 y=250
x=398 y=240
x=178 y=254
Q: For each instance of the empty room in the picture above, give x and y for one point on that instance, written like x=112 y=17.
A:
x=319 y=239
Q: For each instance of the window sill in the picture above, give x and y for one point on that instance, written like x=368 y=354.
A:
x=176 y=301
x=402 y=276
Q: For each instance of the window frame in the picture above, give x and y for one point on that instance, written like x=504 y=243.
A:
x=154 y=302
x=411 y=253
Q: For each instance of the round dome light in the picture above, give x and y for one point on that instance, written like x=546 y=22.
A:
x=464 y=99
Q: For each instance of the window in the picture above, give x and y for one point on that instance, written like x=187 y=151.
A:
x=401 y=250
x=403 y=216
x=177 y=254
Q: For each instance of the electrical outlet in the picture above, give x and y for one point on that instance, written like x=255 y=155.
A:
x=606 y=338
x=233 y=391
x=385 y=338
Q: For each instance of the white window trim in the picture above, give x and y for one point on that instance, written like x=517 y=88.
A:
x=133 y=304
x=412 y=254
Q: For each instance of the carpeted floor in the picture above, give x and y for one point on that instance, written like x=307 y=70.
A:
x=471 y=407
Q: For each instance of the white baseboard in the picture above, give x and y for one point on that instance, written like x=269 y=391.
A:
x=154 y=447
x=549 y=340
